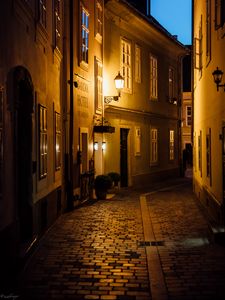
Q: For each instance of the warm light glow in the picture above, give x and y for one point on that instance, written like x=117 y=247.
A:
x=119 y=81
x=95 y=146
x=103 y=145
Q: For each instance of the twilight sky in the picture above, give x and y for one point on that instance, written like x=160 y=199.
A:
x=175 y=16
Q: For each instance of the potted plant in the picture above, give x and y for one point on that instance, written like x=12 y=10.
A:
x=101 y=184
x=115 y=177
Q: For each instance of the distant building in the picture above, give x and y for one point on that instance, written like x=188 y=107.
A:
x=209 y=107
x=187 y=110
x=146 y=145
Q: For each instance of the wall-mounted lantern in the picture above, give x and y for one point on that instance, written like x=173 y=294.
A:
x=119 y=83
x=217 y=76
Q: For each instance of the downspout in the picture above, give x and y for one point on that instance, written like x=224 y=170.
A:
x=70 y=181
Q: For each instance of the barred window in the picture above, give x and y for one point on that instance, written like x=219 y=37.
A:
x=208 y=31
x=43 y=141
x=154 y=146
x=208 y=155
x=153 y=78
x=171 y=145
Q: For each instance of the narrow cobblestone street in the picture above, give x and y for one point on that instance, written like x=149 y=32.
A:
x=99 y=251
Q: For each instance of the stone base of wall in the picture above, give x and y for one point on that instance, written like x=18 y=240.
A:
x=212 y=208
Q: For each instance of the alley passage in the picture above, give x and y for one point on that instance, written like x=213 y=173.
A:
x=193 y=266
x=91 y=253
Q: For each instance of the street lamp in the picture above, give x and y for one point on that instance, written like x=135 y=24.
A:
x=119 y=83
x=217 y=76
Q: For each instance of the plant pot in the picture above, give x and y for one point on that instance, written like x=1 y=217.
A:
x=101 y=194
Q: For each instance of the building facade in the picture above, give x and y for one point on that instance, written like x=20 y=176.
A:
x=31 y=117
x=146 y=145
x=209 y=121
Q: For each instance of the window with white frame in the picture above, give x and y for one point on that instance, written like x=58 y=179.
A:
x=57 y=141
x=98 y=85
x=98 y=20
x=208 y=31
x=84 y=32
x=219 y=13
x=43 y=141
x=137 y=141
x=198 y=49
x=42 y=13
x=154 y=146
x=171 y=144
x=57 y=22
x=126 y=64
x=188 y=115
x=171 y=83
x=153 y=78
x=137 y=63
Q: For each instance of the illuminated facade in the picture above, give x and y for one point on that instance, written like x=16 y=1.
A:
x=209 y=106
x=31 y=117
x=146 y=145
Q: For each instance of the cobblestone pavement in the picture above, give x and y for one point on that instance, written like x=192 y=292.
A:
x=193 y=267
x=91 y=253
x=97 y=251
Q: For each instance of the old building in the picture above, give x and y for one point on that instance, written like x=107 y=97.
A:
x=146 y=145
x=187 y=120
x=31 y=116
x=209 y=106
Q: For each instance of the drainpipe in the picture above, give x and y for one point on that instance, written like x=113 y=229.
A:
x=71 y=52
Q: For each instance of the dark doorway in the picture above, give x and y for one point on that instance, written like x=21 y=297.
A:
x=23 y=154
x=123 y=156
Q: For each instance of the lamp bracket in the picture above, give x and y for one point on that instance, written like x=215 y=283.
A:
x=108 y=99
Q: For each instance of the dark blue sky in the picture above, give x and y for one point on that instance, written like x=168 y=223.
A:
x=175 y=16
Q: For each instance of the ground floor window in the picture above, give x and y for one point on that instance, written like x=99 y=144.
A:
x=154 y=146
x=43 y=141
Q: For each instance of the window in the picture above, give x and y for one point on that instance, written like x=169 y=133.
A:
x=98 y=20
x=171 y=83
x=219 y=13
x=43 y=141
x=153 y=78
x=154 y=146
x=137 y=141
x=188 y=115
x=171 y=144
x=98 y=85
x=1 y=140
x=208 y=31
x=126 y=64
x=84 y=40
x=208 y=155
x=42 y=13
x=198 y=49
x=57 y=23
x=57 y=141
x=200 y=153
x=137 y=63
